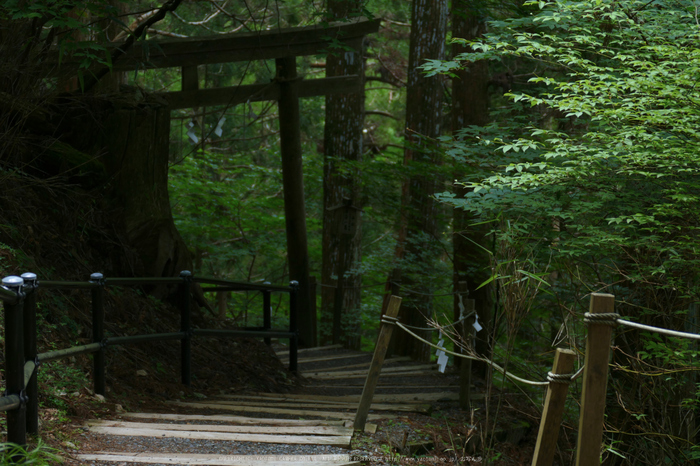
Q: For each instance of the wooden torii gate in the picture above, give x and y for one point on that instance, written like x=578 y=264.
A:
x=283 y=45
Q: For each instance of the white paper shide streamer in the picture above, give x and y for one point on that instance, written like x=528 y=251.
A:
x=219 y=127
x=476 y=324
x=442 y=357
x=190 y=132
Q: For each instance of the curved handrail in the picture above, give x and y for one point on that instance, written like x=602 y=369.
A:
x=7 y=296
x=242 y=285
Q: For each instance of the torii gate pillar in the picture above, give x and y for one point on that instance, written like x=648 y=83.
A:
x=293 y=184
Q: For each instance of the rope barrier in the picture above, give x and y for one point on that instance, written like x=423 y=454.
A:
x=577 y=374
x=610 y=318
x=664 y=331
x=389 y=320
x=474 y=358
x=435 y=329
x=440 y=328
x=613 y=318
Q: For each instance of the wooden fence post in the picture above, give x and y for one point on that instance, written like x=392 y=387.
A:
x=546 y=445
x=385 y=331
x=595 y=379
x=465 y=365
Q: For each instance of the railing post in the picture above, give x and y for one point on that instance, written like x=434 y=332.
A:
x=29 y=323
x=375 y=368
x=98 y=319
x=267 y=313
x=293 y=326
x=185 y=327
x=595 y=380
x=553 y=413
x=14 y=361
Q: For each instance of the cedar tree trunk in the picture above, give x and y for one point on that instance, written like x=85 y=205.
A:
x=417 y=241
x=131 y=131
x=340 y=293
x=470 y=107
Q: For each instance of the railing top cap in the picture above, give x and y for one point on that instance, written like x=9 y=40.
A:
x=185 y=273
x=12 y=281
x=96 y=276
x=29 y=276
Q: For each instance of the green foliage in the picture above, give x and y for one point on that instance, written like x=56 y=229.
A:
x=243 y=207
x=72 y=28
x=41 y=455
x=616 y=171
x=60 y=381
x=590 y=168
x=228 y=200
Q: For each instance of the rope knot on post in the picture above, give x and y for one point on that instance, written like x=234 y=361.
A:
x=559 y=378
x=389 y=320
x=604 y=318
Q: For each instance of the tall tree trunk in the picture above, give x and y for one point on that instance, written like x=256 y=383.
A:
x=132 y=134
x=470 y=107
x=417 y=240
x=340 y=304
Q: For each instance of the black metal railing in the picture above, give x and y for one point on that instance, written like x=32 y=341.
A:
x=19 y=297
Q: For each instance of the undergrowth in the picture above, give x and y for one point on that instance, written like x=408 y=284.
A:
x=40 y=455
